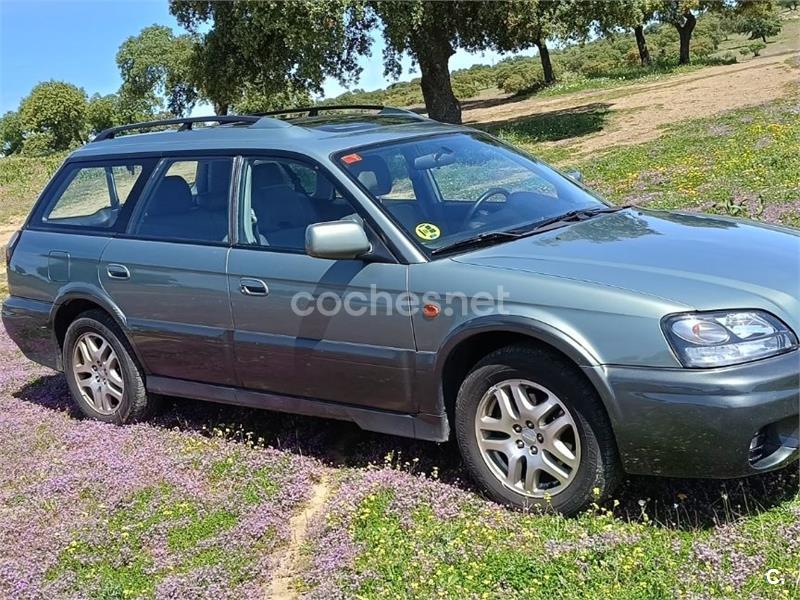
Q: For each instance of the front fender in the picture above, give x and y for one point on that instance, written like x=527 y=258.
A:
x=431 y=365
x=533 y=328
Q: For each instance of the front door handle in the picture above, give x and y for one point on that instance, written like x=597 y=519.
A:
x=253 y=287
x=116 y=271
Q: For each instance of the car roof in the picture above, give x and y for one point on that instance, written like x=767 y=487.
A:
x=318 y=136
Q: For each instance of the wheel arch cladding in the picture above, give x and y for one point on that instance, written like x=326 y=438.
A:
x=72 y=306
x=463 y=355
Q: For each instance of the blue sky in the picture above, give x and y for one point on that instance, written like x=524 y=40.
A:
x=76 y=41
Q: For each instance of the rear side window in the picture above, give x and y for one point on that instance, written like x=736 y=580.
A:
x=94 y=196
x=188 y=201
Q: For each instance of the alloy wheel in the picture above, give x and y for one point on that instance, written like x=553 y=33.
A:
x=98 y=373
x=528 y=438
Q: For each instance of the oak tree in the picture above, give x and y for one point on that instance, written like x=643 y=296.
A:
x=156 y=69
x=266 y=47
x=54 y=111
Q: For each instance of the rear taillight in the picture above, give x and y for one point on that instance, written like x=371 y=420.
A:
x=12 y=243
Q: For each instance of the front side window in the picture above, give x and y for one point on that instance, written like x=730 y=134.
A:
x=188 y=201
x=280 y=198
x=463 y=185
x=94 y=196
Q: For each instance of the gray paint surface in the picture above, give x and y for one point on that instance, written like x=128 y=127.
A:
x=596 y=290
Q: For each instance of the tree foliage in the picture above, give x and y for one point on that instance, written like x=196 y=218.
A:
x=11 y=133
x=256 y=56
x=268 y=46
x=252 y=101
x=611 y=15
x=156 y=70
x=758 y=19
x=431 y=32
x=102 y=113
x=530 y=23
x=54 y=110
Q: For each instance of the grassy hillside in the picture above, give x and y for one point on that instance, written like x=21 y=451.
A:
x=21 y=181
x=604 y=63
x=742 y=163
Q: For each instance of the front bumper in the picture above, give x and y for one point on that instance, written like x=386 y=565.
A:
x=27 y=323
x=717 y=423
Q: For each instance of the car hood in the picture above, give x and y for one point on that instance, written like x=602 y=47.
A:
x=703 y=262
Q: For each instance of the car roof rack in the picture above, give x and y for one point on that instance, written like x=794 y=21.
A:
x=185 y=123
x=313 y=111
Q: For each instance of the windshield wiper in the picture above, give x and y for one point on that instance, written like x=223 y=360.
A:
x=492 y=237
x=483 y=239
x=568 y=217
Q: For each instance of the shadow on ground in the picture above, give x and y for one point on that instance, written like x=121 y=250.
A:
x=674 y=503
x=554 y=125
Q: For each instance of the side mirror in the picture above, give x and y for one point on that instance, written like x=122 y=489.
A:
x=337 y=240
x=576 y=175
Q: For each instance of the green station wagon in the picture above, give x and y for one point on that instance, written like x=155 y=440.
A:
x=420 y=279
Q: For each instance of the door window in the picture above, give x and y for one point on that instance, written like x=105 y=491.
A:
x=188 y=202
x=280 y=198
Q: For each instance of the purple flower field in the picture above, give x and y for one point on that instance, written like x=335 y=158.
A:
x=200 y=504
x=92 y=510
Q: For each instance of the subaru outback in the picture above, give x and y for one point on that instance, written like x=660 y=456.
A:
x=422 y=280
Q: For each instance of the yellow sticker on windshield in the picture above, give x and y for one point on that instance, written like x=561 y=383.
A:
x=427 y=231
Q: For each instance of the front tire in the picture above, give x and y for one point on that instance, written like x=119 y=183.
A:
x=533 y=433
x=102 y=373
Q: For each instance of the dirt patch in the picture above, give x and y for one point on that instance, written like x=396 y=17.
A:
x=288 y=558
x=631 y=119
x=7 y=230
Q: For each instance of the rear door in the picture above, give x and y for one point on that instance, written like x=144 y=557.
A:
x=311 y=327
x=168 y=272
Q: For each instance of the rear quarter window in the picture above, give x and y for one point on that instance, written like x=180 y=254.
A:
x=94 y=195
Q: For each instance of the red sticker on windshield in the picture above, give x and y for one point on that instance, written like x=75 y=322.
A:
x=351 y=158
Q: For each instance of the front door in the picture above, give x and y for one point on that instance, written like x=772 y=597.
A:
x=168 y=274
x=310 y=327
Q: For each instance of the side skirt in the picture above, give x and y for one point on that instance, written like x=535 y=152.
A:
x=421 y=426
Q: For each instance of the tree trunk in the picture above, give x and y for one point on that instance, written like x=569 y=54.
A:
x=641 y=43
x=220 y=108
x=547 y=66
x=763 y=37
x=440 y=101
x=685 y=33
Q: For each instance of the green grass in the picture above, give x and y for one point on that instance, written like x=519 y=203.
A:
x=495 y=554
x=259 y=484
x=21 y=181
x=621 y=77
x=119 y=560
x=742 y=163
x=555 y=125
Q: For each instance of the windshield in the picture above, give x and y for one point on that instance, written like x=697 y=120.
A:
x=454 y=187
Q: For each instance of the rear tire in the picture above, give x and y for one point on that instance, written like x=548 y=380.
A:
x=102 y=373
x=532 y=431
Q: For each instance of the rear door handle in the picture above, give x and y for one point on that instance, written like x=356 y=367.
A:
x=116 y=271
x=253 y=287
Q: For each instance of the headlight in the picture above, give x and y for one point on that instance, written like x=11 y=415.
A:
x=716 y=339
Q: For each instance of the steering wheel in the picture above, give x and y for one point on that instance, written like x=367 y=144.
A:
x=490 y=193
